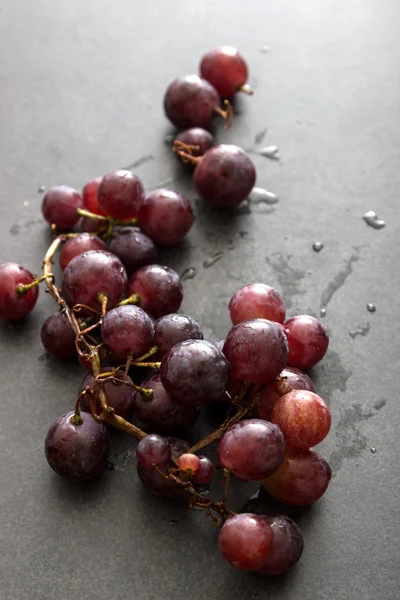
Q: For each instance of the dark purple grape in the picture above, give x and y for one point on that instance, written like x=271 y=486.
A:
x=120 y=195
x=159 y=289
x=89 y=225
x=225 y=69
x=252 y=449
x=58 y=337
x=178 y=447
x=257 y=301
x=195 y=371
x=90 y=197
x=302 y=478
x=13 y=305
x=308 y=341
x=224 y=176
x=120 y=397
x=204 y=473
x=190 y=101
x=257 y=350
x=77 y=452
x=174 y=328
x=162 y=414
x=287 y=545
x=165 y=216
x=93 y=273
x=127 y=330
x=153 y=450
x=245 y=541
x=59 y=207
x=197 y=138
x=79 y=244
x=133 y=248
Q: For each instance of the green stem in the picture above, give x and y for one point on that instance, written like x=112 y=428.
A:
x=23 y=288
x=132 y=299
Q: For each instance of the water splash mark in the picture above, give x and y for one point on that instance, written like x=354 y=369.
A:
x=289 y=277
x=139 y=162
x=211 y=260
x=15 y=229
x=352 y=441
x=189 y=273
x=117 y=461
x=262 y=196
x=271 y=152
x=338 y=281
x=361 y=330
x=260 y=135
x=160 y=184
x=317 y=246
x=371 y=219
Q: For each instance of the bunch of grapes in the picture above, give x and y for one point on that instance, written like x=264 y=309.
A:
x=118 y=313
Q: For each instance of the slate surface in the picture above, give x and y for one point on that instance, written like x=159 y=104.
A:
x=81 y=88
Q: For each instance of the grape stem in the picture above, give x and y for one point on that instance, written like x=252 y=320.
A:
x=226 y=114
x=218 y=433
x=187 y=158
x=23 y=288
x=132 y=299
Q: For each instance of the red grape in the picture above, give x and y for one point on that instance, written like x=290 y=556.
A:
x=199 y=139
x=120 y=397
x=195 y=371
x=303 y=417
x=308 y=341
x=205 y=472
x=162 y=414
x=302 y=478
x=257 y=301
x=14 y=305
x=153 y=450
x=159 y=289
x=165 y=216
x=297 y=379
x=127 y=330
x=120 y=195
x=79 y=244
x=92 y=273
x=257 y=350
x=59 y=207
x=245 y=541
x=225 y=69
x=133 y=248
x=90 y=197
x=172 y=329
x=252 y=449
x=159 y=484
x=58 y=337
x=189 y=462
x=287 y=545
x=224 y=176
x=77 y=452
x=190 y=101
x=292 y=378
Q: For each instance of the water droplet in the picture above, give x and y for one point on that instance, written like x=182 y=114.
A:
x=271 y=152
x=258 y=138
x=41 y=189
x=265 y=49
x=169 y=139
x=173 y=522
x=15 y=229
x=371 y=307
x=371 y=218
x=322 y=312
x=209 y=262
x=260 y=196
x=362 y=330
x=189 y=273
x=373 y=450
x=317 y=246
x=25 y=203
x=43 y=357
